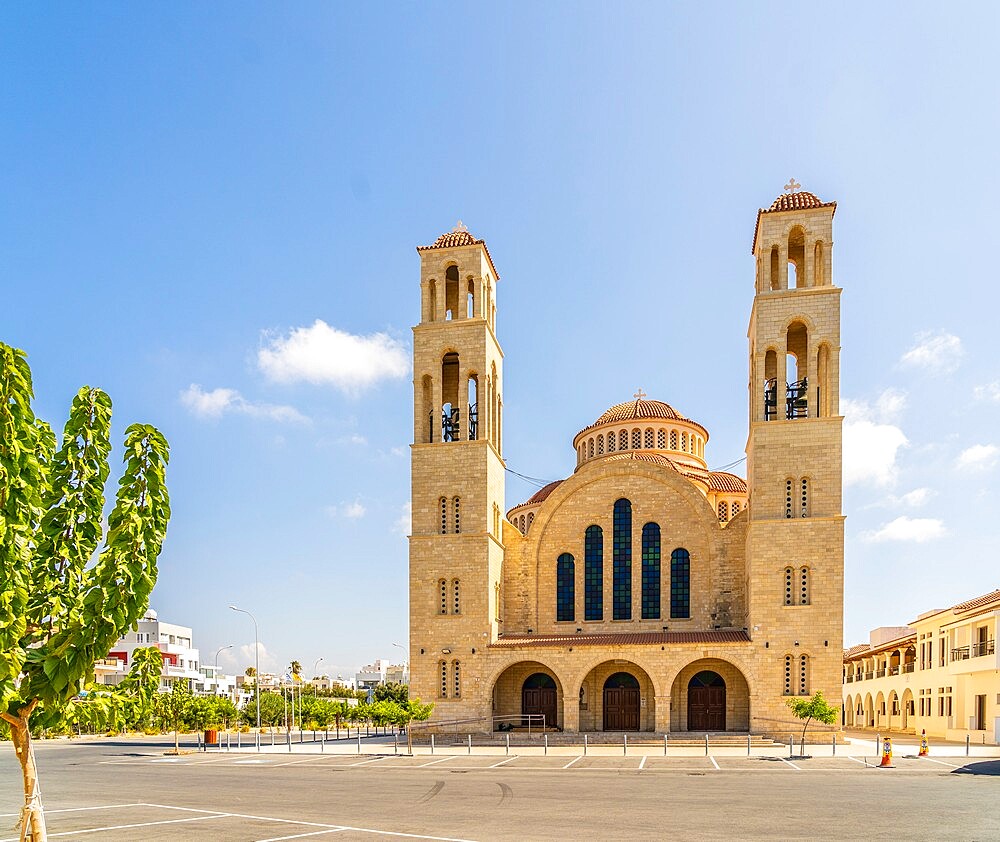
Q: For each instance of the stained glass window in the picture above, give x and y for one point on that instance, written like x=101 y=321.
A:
x=622 y=561
x=680 y=584
x=651 y=571
x=593 y=573
x=565 y=587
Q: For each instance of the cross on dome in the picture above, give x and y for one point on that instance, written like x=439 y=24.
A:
x=639 y=395
x=460 y=228
x=792 y=185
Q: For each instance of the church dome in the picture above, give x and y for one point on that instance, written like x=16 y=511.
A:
x=640 y=409
x=797 y=201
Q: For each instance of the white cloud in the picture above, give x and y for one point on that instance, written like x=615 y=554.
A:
x=238 y=659
x=219 y=402
x=322 y=354
x=361 y=441
x=979 y=457
x=871 y=444
x=352 y=511
x=905 y=528
x=935 y=351
x=917 y=497
x=404 y=521
x=989 y=392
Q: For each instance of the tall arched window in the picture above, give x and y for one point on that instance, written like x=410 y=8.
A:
x=621 y=560
x=661 y=439
x=804 y=497
x=456 y=597
x=684 y=442
x=456 y=668
x=723 y=512
x=593 y=573
x=803 y=675
x=648 y=439
x=636 y=439
x=444 y=514
x=623 y=440
x=443 y=671
x=611 y=442
x=804 y=586
x=456 y=503
x=789 y=574
x=600 y=445
x=651 y=571
x=680 y=584
x=443 y=596
x=788 y=498
x=788 y=675
x=673 y=439
x=565 y=588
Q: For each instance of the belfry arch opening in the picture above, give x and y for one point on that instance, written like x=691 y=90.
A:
x=774 y=273
x=796 y=258
x=451 y=293
x=451 y=413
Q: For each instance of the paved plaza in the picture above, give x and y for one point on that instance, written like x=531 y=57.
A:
x=119 y=790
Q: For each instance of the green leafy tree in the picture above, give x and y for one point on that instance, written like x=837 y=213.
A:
x=61 y=610
x=174 y=707
x=809 y=709
x=392 y=692
x=137 y=690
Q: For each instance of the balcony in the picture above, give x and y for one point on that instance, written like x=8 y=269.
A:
x=908 y=667
x=960 y=654
x=848 y=679
x=984 y=647
x=880 y=673
x=869 y=675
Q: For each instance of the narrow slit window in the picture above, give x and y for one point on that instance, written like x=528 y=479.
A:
x=565 y=588
x=651 y=571
x=593 y=573
x=456 y=596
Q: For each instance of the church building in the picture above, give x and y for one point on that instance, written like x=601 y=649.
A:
x=643 y=592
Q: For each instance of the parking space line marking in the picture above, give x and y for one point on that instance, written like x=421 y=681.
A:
x=369 y=760
x=716 y=765
x=295 y=762
x=239 y=815
x=130 y=826
x=439 y=760
x=406 y=835
x=849 y=757
x=505 y=760
x=643 y=762
x=75 y=809
x=932 y=760
x=789 y=762
x=301 y=835
x=574 y=760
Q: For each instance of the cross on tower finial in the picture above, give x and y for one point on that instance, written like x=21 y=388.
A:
x=792 y=185
x=639 y=395
x=460 y=228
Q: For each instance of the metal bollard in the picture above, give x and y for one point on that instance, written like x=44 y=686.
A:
x=322 y=746
x=272 y=736
x=834 y=743
x=968 y=737
x=748 y=745
x=584 y=745
x=878 y=744
x=625 y=745
x=706 y=745
x=228 y=738
x=359 y=741
x=288 y=741
x=791 y=744
x=238 y=739
x=546 y=743
x=395 y=743
x=508 y=744
x=432 y=743
x=470 y=743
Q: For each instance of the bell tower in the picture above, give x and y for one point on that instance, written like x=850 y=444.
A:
x=457 y=480
x=795 y=537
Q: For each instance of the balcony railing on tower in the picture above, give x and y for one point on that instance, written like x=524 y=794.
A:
x=796 y=399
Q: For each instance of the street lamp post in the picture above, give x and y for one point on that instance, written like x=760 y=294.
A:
x=256 y=665
x=230 y=646
x=406 y=650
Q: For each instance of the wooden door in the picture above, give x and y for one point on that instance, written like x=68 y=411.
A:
x=621 y=709
x=539 y=700
x=707 y=709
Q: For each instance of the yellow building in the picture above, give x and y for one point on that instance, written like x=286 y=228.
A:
x=644 y=591
x=940 y=674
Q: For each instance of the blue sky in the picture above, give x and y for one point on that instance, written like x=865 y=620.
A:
x=187 y=190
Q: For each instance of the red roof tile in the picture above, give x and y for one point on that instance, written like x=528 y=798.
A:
x=722 y=481
x=518 y=641
x=456 y=238
x=978 y=602
x=539 y=496
x=856 y=650
x=790 y=202
x=638 y=410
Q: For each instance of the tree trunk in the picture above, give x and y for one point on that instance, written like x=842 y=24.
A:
x=32 y=818
x=802 y=742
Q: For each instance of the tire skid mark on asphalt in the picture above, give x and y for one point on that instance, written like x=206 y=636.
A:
x=431 y=793
x=506 y=793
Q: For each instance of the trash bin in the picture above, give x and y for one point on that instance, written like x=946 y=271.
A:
x=211 y=737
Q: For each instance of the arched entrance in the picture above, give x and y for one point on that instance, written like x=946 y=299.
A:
x=621 y=702
x=706 y=702
x=538 y=698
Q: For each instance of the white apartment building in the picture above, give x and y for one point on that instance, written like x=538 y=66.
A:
x=381 y=672
x=180 y=658
x=941 y=673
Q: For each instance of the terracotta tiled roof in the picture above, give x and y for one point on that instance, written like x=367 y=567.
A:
x=518 y=641
x=539 y=496
x=885 y=646
x=856 y=650
x=457 y=238
x=722 y=481
x=791 y=202
x=640 y=409
x=683 y=469
x=978 y=602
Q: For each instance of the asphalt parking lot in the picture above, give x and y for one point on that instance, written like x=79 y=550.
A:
x=133 y=791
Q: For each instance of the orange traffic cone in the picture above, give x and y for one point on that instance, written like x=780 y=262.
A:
x=923 y=744
x=886 y=754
